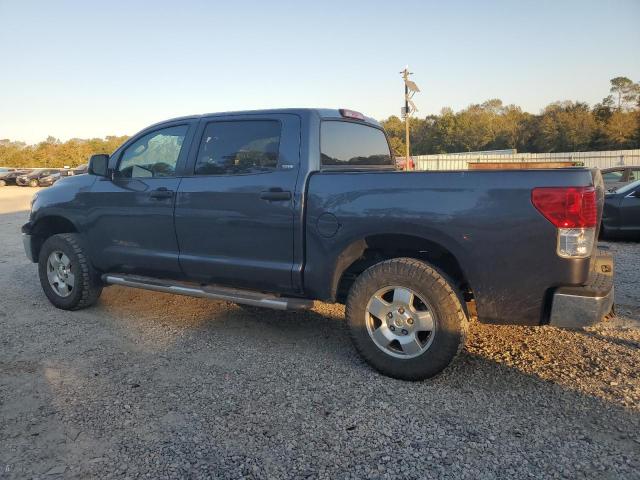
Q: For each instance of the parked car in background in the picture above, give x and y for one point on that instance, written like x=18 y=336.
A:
x=619 y=176
x=3 y=172
x=81 y=169
x=8 y=176
x=49 y=179
x=621 y=214
x=32 y=179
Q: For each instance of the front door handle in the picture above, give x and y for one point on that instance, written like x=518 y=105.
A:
x=160 y=193
x=275 y=194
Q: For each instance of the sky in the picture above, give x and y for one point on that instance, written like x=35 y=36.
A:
x=90 y=69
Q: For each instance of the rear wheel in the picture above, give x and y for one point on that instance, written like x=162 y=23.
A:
x=405 y=319
x=66 y=276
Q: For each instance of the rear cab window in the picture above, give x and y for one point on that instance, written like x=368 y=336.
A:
x=353 y=145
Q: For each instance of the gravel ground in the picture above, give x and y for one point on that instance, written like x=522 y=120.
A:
x=149 y=385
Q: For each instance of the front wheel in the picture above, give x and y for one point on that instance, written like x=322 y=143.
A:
x=405 y=319
x=66 y=276
x=3 y=183
x=33 y=182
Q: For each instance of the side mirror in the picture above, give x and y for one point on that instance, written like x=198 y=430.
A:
x=98 y=164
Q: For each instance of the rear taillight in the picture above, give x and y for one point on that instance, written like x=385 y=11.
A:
x=574 y=212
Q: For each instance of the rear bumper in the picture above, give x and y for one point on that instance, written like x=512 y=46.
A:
x=578 y=307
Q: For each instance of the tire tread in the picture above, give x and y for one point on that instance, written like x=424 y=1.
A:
x=89 y=286
x=427 y=276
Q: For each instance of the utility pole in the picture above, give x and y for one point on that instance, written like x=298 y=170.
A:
x=410 y=89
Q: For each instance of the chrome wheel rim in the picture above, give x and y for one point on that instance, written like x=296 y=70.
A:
x=59 y=274
x=400 y=322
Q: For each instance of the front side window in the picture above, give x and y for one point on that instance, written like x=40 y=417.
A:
x=239 y=147
x=353 y=145
x=153 y=155
x=634 y=175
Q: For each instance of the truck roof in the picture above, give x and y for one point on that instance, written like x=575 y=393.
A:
x=323 y=113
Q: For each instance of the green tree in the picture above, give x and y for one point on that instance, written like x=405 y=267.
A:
x=565 y=127
x=475 y=128
x=626 y=93
x=396 y=134
x=621 y=130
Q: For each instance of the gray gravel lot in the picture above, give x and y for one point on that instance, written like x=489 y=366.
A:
x=150 y=385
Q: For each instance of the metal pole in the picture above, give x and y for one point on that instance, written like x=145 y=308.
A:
x=407 y=165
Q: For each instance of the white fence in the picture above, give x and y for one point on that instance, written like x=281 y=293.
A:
x=460 y=161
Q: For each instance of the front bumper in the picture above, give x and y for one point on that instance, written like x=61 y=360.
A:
x=27 y=242
x=583 y=306
x=28 y=246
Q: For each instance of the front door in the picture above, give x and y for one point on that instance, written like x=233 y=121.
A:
x=131 y=214
x=235 y=212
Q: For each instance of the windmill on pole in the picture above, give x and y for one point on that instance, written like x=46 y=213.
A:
x=410 y=89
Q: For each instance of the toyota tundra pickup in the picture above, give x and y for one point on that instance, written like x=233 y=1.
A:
x=278 y=208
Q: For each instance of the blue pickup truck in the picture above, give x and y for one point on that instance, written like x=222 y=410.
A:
x=278 y=208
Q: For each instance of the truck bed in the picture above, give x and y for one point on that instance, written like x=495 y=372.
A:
x=505 y=249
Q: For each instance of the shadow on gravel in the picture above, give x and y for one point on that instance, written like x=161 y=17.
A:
x=634 y=344
x=94 y=406
x=170 y=386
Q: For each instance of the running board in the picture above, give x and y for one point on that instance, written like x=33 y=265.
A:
x=214 y=292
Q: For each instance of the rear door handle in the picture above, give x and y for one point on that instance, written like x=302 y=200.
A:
x=161 y=192
x=275 y=194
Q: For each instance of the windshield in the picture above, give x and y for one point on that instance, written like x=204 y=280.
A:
x=629 y=187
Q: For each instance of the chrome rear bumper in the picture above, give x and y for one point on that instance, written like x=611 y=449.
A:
x=583 y=306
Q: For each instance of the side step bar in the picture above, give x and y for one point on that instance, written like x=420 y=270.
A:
x=214 y=292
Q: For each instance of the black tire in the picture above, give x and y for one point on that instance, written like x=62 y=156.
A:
x=450 y=321
x=33 y=182
x=87 y=285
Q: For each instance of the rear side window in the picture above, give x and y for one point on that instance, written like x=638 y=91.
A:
x=353 y=145
x=239 y=147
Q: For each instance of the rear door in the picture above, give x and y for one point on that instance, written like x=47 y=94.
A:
x=234 y=212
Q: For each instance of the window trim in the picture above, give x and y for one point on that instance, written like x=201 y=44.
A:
x=156 y=128
x=207 y=122
x=326 y=168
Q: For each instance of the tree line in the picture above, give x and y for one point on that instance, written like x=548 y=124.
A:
x=54 y=153
x=564 y=126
